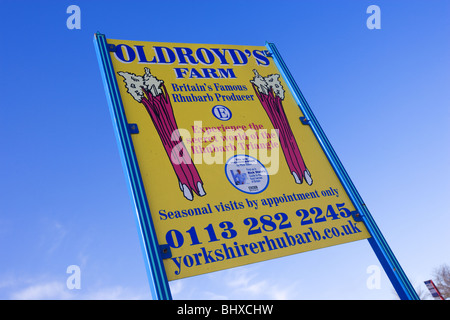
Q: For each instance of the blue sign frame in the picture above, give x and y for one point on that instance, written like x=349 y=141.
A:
x=159 y=285
x=378 y=243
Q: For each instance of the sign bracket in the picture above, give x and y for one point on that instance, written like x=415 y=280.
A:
x=304 y=120
x=111 y=47
x=166 y=253
x=356 y=216
x=133 y=128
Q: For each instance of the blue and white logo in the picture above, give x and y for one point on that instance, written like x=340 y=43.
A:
x=221 y=113
x=246 y=174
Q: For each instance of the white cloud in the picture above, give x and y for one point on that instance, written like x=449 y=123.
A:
x=56 y=290
x=239 y=278
x=240 y=283
x=52 y=234
x=51 y=290
x=176 y=287
x=247 y=283
x=47 y=288
x=115 y=293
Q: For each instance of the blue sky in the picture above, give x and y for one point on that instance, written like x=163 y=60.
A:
x=382 y=97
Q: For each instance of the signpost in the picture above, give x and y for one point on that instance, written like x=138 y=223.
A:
x=226 y=162
x=433 y=290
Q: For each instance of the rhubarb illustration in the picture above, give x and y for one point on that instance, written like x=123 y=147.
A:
x=270 y=93
x=152 y=93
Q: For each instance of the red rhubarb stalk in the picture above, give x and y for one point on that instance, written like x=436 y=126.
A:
x=152 y=93
x=271 y=94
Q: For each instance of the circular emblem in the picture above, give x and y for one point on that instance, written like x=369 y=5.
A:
x=221 y=112
x=247 y=174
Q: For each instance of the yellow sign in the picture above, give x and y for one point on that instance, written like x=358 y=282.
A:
x=231 y=175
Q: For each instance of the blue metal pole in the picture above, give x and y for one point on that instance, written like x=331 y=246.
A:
x=377 y=241
x=159 y=284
